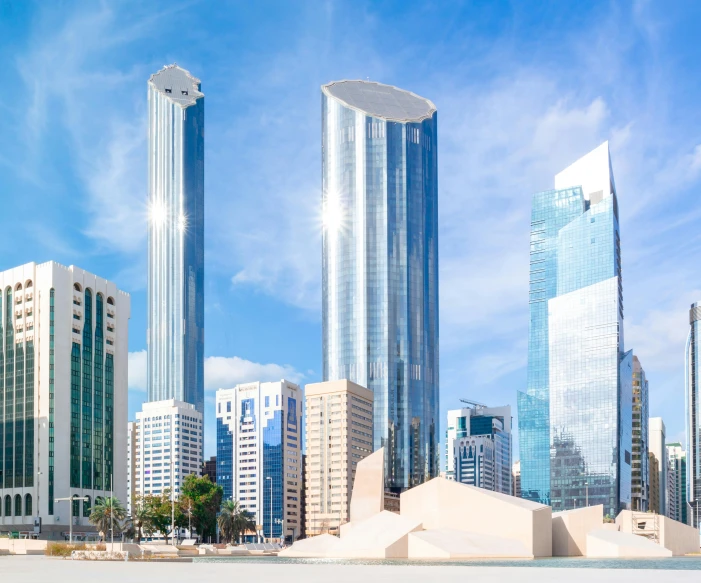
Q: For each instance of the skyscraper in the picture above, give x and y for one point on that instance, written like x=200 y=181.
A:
x=575 y=418
x=693 y=414
x=677 y=494
x=380 y=264
x=176 y=238
x=640 y=487
x=658 y=448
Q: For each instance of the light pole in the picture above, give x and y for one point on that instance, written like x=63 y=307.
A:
x=70 y=499
x=172 y=478
x=112 y=512
x=586 y=486
x=271 y=506
x=39 y=473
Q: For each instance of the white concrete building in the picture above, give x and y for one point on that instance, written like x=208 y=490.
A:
x=657 y=446
x=259 y=453
x=478 y=447
x=168 y=446
x=339 y=425
x=63 y=396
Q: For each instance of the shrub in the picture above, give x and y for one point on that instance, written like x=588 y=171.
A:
x=62 y=549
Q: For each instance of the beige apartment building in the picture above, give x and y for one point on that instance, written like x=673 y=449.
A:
x=339 y=423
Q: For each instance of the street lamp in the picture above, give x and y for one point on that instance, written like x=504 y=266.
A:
x=586 y=486
x=71 y=499
x=271 y=506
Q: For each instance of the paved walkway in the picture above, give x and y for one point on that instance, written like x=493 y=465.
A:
x=41 y=570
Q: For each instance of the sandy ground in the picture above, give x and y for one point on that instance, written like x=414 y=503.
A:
x=43 y=570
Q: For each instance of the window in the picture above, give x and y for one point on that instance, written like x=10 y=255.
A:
x=267 y=402
x=184 y=91
x=169 y=90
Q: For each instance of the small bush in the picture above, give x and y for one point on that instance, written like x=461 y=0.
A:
x=62 y=549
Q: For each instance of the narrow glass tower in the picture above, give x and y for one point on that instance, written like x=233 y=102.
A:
x=380 y=264
x=693 y=415
x=176 y=238
x=575 y=419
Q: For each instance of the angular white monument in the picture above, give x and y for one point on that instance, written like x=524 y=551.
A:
x=571 y=527
x=382 y=536
x=615 y=544
x=368 y=496
x=445 y=504
x=676 y=536
x=447 y=543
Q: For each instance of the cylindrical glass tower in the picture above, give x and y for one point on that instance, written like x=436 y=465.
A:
x=380 y=265
x=176 y=238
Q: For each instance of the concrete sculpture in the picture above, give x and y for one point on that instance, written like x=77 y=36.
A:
x=443 y=519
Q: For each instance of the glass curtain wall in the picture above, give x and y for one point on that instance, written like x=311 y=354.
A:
x=176 y=238
x=380 y=265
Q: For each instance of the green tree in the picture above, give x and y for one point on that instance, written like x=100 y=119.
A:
x=234 y=520
x=158 y=510
x=203 y=499
x=108 y=513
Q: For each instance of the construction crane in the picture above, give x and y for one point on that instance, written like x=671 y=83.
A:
x=474 y=404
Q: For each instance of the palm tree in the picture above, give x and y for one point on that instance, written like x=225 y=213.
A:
x=140 y=521
x=233 y=520
x=108 y=513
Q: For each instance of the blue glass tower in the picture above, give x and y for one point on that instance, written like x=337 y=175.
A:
x=693 y=415
x=176 y=238
x=575 y=418
x=380 y=264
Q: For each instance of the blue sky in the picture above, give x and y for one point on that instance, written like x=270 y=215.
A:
x=522 y=89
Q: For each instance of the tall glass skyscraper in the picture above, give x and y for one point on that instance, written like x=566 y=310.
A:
x=575 y=419
x=693 y=414
x=380 y=264
x=176 y=238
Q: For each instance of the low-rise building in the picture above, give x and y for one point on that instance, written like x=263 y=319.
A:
x=478 y=444
x=339 y=433
x=169 y=446
x=259 y=453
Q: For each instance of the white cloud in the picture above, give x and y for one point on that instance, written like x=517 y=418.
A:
x=137 y=370
x=219 y=371
x=225 y=372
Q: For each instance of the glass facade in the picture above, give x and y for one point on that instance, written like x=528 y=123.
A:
x=380 y=265
x=693 y=415
x=52 y=398
x=225 y=459
x=575 y=418
x=17 y=416
x=176 y=238
x=640 y=490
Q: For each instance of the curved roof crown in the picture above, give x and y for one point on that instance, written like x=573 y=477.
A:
x=379 y=100
x=177 y=84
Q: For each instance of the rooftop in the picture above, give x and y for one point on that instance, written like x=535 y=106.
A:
x=378 y=100
x=177 y=84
